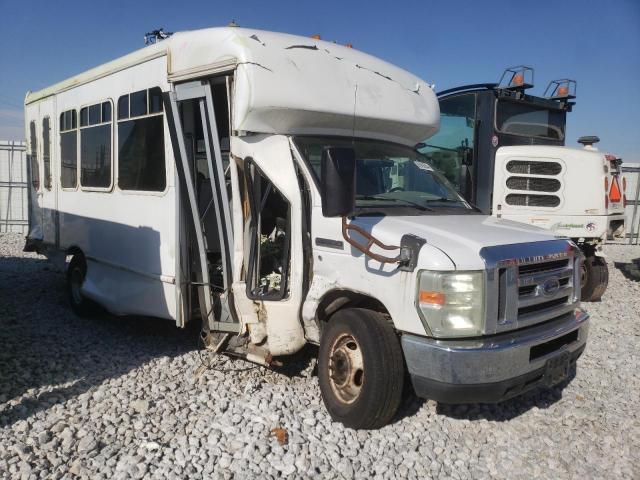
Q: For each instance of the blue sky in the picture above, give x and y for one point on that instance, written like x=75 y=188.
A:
x=445 y=42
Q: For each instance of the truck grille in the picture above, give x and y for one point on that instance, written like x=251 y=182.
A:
x=533 y=184
x=538 y=179
x=532 y=289
x=522 y=200
x=531 y=167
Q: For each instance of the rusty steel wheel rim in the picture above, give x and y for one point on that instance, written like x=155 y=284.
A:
x=346 y=368
x=583 y=275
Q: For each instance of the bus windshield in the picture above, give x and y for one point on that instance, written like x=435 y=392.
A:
x=528 y=120
x=389 y=175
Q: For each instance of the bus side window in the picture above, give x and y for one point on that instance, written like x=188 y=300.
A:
x=141 y=160
x=95 y=146
x=447 y=149
x=68 y=149
x=33 y=158
x=46 y=151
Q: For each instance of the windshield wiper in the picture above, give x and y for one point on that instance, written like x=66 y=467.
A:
x=407 y=202
x=443 y=199
x=448 y=149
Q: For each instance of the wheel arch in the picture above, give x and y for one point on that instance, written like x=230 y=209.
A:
x=339 y=299
x=74 y=250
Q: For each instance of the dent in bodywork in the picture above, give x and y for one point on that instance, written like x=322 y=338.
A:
x=255 y=37
x=308 y=47
x=319 y=286
x=256 y=64
x=415 y=89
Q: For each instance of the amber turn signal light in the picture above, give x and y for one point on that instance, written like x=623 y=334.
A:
x=433 y=298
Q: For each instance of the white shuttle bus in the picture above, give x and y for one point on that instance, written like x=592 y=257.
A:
x=249 y=180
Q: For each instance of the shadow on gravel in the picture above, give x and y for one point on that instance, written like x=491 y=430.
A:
x=499 y=412
x=48 y=355
x=299 y=362
x=411 y=405
x=630 y=270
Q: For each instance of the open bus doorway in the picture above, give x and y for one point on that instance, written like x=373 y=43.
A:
x=200 y=117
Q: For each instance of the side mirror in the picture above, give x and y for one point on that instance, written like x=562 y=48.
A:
x=338 y=185
x=467 y=156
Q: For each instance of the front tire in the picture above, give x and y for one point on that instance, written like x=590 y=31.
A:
x=360 y=369
x=76 y=272
x=594 y=278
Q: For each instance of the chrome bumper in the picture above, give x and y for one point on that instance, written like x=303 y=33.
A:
x=495 y=368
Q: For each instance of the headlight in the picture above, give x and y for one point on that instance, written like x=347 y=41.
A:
x=452 y=303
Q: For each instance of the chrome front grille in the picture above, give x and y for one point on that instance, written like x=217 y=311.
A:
x=525 y=289
x=547 y=285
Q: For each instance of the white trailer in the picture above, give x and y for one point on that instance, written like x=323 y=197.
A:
x=244 y=178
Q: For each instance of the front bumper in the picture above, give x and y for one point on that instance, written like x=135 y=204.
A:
x=493 y=369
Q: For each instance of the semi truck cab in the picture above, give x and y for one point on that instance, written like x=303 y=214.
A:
x=504 y=151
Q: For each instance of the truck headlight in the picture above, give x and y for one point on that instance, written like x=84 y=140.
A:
x=452 y=303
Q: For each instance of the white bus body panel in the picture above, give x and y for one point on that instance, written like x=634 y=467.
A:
x=283 y=84
x=128 y=238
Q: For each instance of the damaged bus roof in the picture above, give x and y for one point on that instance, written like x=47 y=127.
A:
x=290 y=84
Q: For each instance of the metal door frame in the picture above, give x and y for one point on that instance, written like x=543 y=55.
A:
x=201 y=91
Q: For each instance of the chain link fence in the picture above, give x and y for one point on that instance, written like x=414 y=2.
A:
x=631 y=173
x=13 y=187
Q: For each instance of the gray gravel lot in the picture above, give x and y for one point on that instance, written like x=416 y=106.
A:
x=125 y=398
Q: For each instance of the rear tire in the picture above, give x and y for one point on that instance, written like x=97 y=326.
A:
x=594 y=279
x=360 y=369
x=76 y=272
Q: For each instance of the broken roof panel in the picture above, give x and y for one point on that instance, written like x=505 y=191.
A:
x=293 y=85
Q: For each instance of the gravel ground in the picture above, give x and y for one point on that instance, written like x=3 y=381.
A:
x=126 y=398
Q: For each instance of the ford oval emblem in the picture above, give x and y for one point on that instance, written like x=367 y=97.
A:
x=550 y=286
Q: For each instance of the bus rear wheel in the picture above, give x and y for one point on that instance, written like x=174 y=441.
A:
x=76 y=273
x=594 y=278
x=360 y=369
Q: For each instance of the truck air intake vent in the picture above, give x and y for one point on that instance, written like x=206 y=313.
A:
x=533 y=184
x=534 y=168
x=522 y=200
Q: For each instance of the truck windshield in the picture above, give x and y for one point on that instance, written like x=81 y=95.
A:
x=529 y=120
x=389 y=175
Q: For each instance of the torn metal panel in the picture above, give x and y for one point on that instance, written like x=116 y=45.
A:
x=288 y=84
x=284 y=330
x=319 y=286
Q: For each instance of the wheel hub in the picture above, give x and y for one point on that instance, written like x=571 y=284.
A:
x=346 y=368
x=583 y=275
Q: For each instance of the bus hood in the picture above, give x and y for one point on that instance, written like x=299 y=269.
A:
x=460 y=237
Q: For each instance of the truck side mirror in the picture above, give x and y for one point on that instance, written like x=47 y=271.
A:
x=467 y=156
x=338 y=185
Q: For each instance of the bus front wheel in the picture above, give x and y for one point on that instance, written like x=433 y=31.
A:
x=360 y=368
